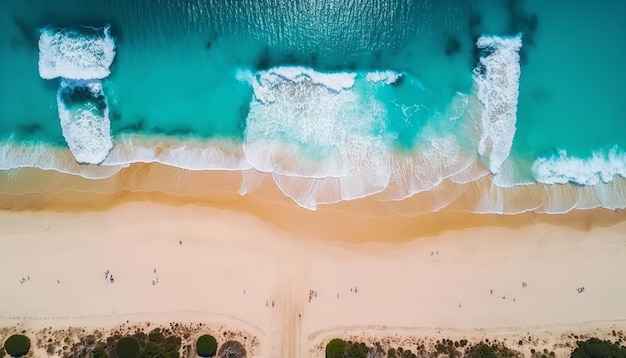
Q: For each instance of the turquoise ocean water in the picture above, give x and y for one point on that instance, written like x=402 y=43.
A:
x=350 y=98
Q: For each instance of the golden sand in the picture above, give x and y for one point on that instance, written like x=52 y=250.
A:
x=420 y=275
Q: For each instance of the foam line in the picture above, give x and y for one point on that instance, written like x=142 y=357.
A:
x=387 y=77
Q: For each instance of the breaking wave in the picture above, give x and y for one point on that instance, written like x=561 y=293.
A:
x=84 y=115
x=325 y=138
x=601 y=167
x=81 y=59
x=497 y=80
x=82 y=55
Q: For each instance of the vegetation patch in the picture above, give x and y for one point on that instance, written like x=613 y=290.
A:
x=335 y=348
x=491 y=350
x=206 y=346
x=596 y=348
x=338 y=348
x=17 y=345
x=232 y=349
x=128 y=347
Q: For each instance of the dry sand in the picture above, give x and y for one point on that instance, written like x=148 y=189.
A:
x=231 y=265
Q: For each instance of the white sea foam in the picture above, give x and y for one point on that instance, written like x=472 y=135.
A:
x=85 y=127
x=45 y=157
x=264 y=81
x=314 y=133
x=497 y=81
x=388 y=77
x=601 y=167
x=324 y=143
x=187 y=155
x=75 y=55
x=306 y=123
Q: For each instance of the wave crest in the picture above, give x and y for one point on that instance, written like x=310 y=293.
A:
x=601 y=167
x=77 y=55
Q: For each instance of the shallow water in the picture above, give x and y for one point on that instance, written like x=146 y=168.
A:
x=198 y=72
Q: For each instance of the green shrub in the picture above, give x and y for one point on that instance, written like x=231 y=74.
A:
x=494 y=350
x=595 y=348
x=141 y=337
x=128 y=347
x=17 y=345
x=100 y=352
x=335 y=348
x=206 y=346
x=2 y=352
x=156 y=336
x=357 y=350
x=481 y=350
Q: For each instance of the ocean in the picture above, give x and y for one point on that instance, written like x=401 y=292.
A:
x=517 y=102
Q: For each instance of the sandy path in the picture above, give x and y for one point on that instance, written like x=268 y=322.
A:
x=293 y=290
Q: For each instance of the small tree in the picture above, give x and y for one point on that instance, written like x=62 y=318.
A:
x=335 y=348
x=128 y=347
x=206 y=346
x=156 y=336
x=17 y=345
x=232 y=349
x=85 y=347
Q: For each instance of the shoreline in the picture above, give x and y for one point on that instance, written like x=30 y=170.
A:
x=469 y=188
x=356 y=221
x=224 y=252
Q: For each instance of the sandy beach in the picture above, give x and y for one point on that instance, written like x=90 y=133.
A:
x=294 y=292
